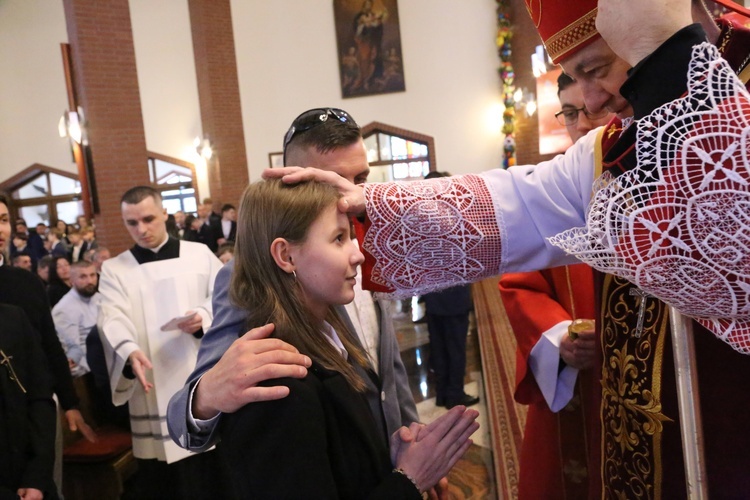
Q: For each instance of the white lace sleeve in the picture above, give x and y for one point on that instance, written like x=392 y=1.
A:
x=678 y=225
x=426 y=235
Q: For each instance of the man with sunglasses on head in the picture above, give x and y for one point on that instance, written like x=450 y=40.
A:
x=228 y=369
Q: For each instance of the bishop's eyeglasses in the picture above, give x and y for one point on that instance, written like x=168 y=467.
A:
x=569 y=116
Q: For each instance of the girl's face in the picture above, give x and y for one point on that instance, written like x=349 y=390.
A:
x=326 y=263
x=63 y=269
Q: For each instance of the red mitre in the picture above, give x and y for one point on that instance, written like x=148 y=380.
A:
x=565 y=26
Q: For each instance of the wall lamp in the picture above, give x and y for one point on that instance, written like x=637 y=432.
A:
x=72 y=125
x=204 y=148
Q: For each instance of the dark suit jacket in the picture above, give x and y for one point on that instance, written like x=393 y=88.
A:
x=319 y=442
x=219 y=232
x=84 y=249
x=27 y=420
x=21 y=288
x=207 y=235
x=59 y=250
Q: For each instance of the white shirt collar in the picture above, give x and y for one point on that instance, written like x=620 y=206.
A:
x=334 y=339
x=155 y=250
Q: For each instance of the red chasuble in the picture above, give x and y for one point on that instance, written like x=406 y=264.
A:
x=554 y=456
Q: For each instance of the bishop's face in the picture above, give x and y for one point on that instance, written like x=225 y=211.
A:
x=146 y=222
x=600 y=73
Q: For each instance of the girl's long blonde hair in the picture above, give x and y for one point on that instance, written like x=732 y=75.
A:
x=270 y=210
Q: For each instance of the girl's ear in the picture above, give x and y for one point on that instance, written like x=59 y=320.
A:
x=281 y=253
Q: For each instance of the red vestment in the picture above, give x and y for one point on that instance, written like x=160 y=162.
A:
x=554 y=458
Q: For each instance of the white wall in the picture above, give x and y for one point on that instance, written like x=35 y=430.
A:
x=166 y=77
x=32 y=86
x=286 y=54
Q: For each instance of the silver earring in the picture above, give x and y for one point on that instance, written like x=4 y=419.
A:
x=294 y=273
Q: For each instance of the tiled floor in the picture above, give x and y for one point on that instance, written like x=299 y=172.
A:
x=471 y=478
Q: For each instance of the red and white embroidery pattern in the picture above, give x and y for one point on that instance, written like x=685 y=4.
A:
x=678 y=226
x=428 y=235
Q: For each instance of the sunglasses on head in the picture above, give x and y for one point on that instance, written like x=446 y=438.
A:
x=312 y=118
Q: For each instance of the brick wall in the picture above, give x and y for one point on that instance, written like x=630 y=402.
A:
x=106 y=84
x=219 y=95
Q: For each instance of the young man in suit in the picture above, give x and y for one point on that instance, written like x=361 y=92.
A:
x=226 y=230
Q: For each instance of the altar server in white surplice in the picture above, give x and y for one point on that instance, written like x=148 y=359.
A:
x=156 y=304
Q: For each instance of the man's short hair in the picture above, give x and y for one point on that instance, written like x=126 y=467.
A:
x=563 y=82
x=81 y=264
x=20 y=254
x=226 y=207
x=134 y=196
x=57 y=232
x=330 y=135
x=74 y=231
x=98 y=252
x=21 y=236
x=45 y=262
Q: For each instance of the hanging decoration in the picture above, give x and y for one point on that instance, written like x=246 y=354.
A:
x=507 y=77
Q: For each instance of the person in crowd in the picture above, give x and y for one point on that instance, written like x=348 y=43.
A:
x=225 y=252
x=55 y=242
x=81 y=222
x=22 y=260
x=34 y=245
x=192 y=229
x=227 y=229
x=447 y=317
x=101 y=254
x=333 y=140
x=172 y=229
x=20 y=288
x=76 y=313
x=62 y=226
x=41 y=230
x=89 y=237
x=59 y=280
x=20 y=244
x=555 y=373
x=179 y=220
x=295 y=263
x=213 y=215
x=42 y=268
x=207 y=231
x=27 y=419
x=155 y=306
x=78 y=245
x=530 y=217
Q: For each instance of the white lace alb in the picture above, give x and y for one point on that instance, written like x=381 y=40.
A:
x=678 y=225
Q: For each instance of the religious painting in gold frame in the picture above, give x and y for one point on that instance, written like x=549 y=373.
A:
x=368 y=38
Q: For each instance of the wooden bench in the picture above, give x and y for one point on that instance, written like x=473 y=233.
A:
x=95 y=470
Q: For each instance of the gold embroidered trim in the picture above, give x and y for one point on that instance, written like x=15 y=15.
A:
x=572 y=35
x=631 y=411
